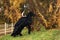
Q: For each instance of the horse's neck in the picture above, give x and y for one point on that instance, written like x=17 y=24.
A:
x=29 y=17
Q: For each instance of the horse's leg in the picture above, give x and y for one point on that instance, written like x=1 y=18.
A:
x=17 y=32
x=14 y=31
x=20 y=30
x=29 y=29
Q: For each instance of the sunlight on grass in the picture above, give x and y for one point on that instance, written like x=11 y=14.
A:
x=40 y=35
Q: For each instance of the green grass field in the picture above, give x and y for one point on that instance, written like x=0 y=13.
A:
x=52 y=34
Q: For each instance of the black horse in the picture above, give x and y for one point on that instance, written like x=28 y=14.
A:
x=23 y=22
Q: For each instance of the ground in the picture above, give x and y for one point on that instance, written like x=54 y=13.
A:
x=52 y=34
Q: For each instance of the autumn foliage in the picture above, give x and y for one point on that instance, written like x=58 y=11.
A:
x=47 y=11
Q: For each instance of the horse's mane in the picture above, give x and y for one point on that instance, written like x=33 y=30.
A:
x=30 y=14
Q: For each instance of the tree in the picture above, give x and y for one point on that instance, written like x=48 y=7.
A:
x=46 y=10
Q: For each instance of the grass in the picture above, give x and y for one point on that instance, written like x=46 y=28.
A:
x=52 y=34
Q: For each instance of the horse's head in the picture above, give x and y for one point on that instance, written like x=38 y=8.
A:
x=30 y=14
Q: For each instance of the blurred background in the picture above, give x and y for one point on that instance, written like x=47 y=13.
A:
x=47 y=11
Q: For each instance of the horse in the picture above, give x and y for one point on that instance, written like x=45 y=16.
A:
x=23 y=22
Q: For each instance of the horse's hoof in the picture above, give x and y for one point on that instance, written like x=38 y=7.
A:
x=13 y=35
x=29 y=33
x=20 y=34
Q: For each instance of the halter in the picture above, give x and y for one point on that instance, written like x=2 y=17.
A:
x=25 y=7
